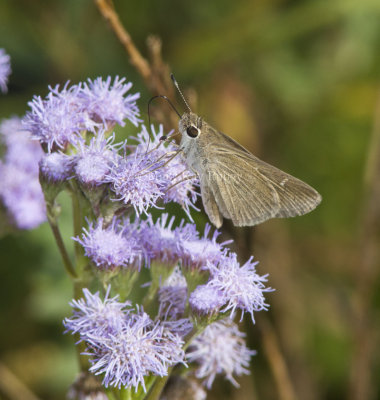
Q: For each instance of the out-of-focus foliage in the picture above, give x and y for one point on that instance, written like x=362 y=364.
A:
x=294 y=81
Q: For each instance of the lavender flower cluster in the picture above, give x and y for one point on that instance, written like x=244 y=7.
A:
x=20 y=191
x=182 y=318
x=5 y=70
x=125 y=345
x=205 y=286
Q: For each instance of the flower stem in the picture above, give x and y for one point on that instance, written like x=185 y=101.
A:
x=125 y=394
x=158 y=387
x=77 y=224
x=61 y=246
x=78 y=207
x=193 y=334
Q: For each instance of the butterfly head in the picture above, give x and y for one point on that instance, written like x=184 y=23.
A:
x=190 y=125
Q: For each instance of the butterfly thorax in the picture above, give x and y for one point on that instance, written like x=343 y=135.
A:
x=192 y=142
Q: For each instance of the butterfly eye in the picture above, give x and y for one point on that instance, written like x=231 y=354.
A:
x=192 y=131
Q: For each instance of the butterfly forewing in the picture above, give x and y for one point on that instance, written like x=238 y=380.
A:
x=250 y=191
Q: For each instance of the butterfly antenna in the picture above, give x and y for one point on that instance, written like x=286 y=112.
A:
x=164 y=137
x=180 y=92
x=160 y=96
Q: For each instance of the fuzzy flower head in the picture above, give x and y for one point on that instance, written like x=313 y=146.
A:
x=182 y=181
x=181 y=327
x=93 y=316
x=22 y=196
x=56 y=167
x=108 y=103
x=20 y=191
x=206 y=300
x=241 y=287
x=111 y=247
x=149 y=172
x=93 y=161
x=220 y=349
x=136 y=182
x=141 y=348
x=161 y=239
x=57 y=120
x=172 y=296
x=5 y=70
x=22 y=152
x=197 y=252
x=125 y=346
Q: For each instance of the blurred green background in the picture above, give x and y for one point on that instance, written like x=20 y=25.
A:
x=295 y=81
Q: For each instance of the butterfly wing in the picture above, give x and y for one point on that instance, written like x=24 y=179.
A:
x=248 y=190
x=210 y=205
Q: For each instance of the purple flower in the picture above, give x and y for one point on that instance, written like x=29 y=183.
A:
x=136 y=182
x=180 y=327
x=60 y=118
x=22 y=196
x=242 y=288
x=21 y=151
x=197 y=252
x=148 y=174
x=180 y=188
x=206 y=300
x=57 y=120
x=93 y=316
x=125 y=346
x=5 y=70
x=167 y=244
x=56 y=167
x=107 y=103
x=112 y=246
x=172 y=296
x=161 y=240
x=138 y=349
x=93 y=161
x=20 y=190
x=220 y=349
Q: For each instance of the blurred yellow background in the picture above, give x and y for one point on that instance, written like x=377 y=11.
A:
x=296 y=82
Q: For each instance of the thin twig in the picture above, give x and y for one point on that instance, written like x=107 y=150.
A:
x=155 y=74
x=107 y=9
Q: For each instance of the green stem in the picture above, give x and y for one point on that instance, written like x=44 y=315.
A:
x=158 y=387
x=125 y=394
x=62 y=249
x=110 y=395
x=78 y=220
x=77 y=224
x=191 y=335
x=81 y=262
